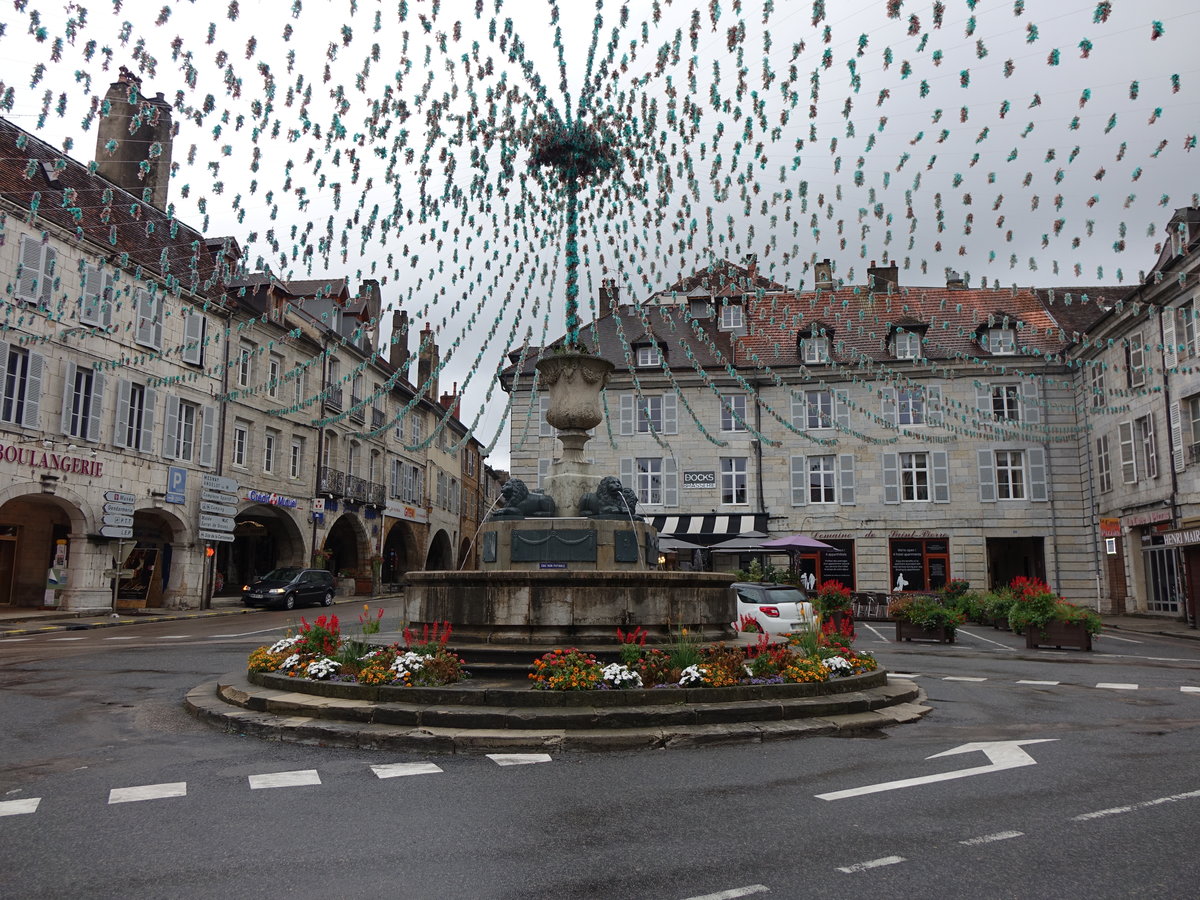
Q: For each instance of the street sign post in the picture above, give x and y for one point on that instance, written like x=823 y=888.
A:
x=116 y=531
x=120 y=509
x=218 y=536
x=219 y=483
x=218 y=497
x=118 y=520
x=217 y=509
x=119 y=497
x=216 y=523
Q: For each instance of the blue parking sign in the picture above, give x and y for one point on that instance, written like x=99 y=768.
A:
x=176 y=484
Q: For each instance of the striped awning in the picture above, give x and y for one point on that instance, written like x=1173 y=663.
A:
x=708 y=528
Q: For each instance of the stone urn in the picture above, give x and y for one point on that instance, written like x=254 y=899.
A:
x=573 y=382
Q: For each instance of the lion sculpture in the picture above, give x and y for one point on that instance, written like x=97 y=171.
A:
x=522 y=503
x=611 y=500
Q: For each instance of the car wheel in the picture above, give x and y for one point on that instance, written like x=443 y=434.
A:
x=289 y=601
x=327 y=600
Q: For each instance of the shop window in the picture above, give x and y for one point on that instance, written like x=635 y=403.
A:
x=919 y=564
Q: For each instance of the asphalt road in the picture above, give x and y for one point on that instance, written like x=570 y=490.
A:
x=1106 y=804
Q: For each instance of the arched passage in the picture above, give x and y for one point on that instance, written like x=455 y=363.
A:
x=441 y=553
x=348 y=546
x=150 y=559
x=31 y=529
x=265 y=537
x=401 y=552
x=465 y=557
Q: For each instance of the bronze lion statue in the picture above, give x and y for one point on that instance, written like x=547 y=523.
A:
x=521 y=503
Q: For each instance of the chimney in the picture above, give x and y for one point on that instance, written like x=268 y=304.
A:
x=751 y=271
x=428 y=363
x=954 y=281
x=141 y=132
x=883 y=278
x=824 y=275
x=608 y=298
x=448 y=401
x=398 y=349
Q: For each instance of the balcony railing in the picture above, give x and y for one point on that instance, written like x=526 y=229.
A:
x=376 y=419
x=376 y=494
x=356 y=410
x=331 y=481
x=356 y=488
x=333 y=398
x=1193 y=453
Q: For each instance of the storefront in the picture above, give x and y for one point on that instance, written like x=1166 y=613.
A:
x=266 y=535
x=919 y=563
x=405 y=528
x=835 y=564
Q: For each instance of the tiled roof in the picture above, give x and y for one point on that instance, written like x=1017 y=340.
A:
x=721 y=278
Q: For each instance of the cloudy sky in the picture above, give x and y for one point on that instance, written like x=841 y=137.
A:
x=1031 y=142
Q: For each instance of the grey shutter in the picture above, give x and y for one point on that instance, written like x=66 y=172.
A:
x=31 y=416
x=545 y=429
x=891 y=478
x=628 y=478
x=142 y=311
x=121 y=419
x=983 y=402
x=31 y=269
x=93 y=291
x=841 y=409
x=156 y=322
x=171 y=428
x=68 y=396
x=543 y=471
x=146 y=436
x=799 y=480
x=1128 y=453
x=670 y=415
x=933 y=405
x=193 y=339
x=887 y=408
x=1170 y=348
x=46 y=294
x=95 y=408
x=670 y=482
x=627 y=414
x=208 y=434
x=1031 y=410
x=1177 y=456
x=106 y=299
x=799 y=411
x=941 y=476
x=846 y=476
x=1037 y=474
x=987 y=476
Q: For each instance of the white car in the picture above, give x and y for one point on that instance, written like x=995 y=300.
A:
x=777 y=609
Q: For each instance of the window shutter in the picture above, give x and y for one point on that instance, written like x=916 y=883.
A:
x=156 y=322
x=194 y=327
x=799 y=410
x=941 y=476
x=96 y=408
x=208 y=434
x=1170 y=348
x=146 y=436
x=68 y=396
x=841 y=409
x=1128 y=453
x=983 y=402
x=670 y=482
x=1177 y=455
x=888 y=406
x=1031 y=411
x=31 y=269
x=543 y=471
x=846 y=474
x=171 y=429
x=142 y=311
x=628 y=479
x=1037 y=474
x=799 y=480
x=891 y=478
x=670 y=415
x=31 y=416
x=987 y=476
x=933 y=405
x=121 y=419
x=106 y=299
x=47 y=291
x=627 y=414
x=545 y=429
x=93 y=290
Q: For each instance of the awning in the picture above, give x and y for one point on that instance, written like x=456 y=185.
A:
x=708 y=528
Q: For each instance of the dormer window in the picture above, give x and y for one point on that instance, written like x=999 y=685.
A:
x=1000 y=341
x=814 y=349
x=731 y=316
x=699 y=308
x=649 y=355
x=906 y=345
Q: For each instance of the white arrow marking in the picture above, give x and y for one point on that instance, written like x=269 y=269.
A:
x=1001 y=755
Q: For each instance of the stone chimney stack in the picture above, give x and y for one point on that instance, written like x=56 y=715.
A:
x=133 y=142
x=883 y=278
x=398 y=349
x=428 y=362
x=608 y=299
x=824 y=275
x=954 y=281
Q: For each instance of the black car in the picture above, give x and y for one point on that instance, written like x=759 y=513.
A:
x=289 y=587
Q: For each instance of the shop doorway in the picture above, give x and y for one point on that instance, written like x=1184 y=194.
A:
x=31 y=527
x=1010 y=558
x=919 y=565
x=441 y=554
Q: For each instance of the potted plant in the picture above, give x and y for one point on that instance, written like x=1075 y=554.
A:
x=832 y=601
x=1049 y=621
x=994 y=608
x=924 y=618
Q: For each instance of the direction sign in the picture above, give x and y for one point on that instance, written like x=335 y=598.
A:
x=118 y=531
x=217 y=497
x=120 y=509
x=219 y=536
x=219 y=483
x=217 y=509
x=216 y=523
x=117 y=573
x=119 y=497
x=118 y=520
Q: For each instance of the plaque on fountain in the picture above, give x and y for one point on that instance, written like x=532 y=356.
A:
x=557 y=545
x=625 y=546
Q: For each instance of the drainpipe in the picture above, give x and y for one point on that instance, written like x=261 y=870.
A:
x=208 y=572
x=320 y=442
x=757 y=445
x=1091 y=490
x=1173 y=499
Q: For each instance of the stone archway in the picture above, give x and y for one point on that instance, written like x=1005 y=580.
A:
x=265 y=537
x=401 y=553
x=441 y=553
x=465 y=557
x=156 y=567
x=348 y=546
x=33 y=528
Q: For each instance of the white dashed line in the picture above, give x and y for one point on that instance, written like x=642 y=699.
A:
x=1190 y=689
x=173 y=637
x=518 y=759
x=16 y=640
x=871 y=864
x=992 y=838
x=980 y=637
x=961 y=678
x=285 y=779
x=19 y=807
x=67 y=639
x=147 y=792
x=1118 y=810
x=734 y=893
x=1046 y=683
x=1109 y=636
x=124 y=637
x=1117 y=686
x=396 y=770
x=905 y=674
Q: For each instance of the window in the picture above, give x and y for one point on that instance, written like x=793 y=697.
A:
x=907 y=345
x=189 y=432
x=641 y=412
x=296 y=463
x=333 y=386
x=399 y=420
x=649 y=480
x=270 y=441
x=441 y=489
x=814 y=350
x=274 y=368
x=1096 y=383
x=134 y=423
x=241 y=442
x=149 y=314
x=1010 y=475
x=301 y=384
x=821 y=479
x=373 y=467
x=650 y=414
x=1103 y=465
x=1187 y=314
x=733 y=412
x=83 y=403
x=733 y=479
x=35 y=280
x=96 y=305
x=417 y=421
x=1192 y=435
x=824 y=479
x=352 y=459
x=1135 y=357
x=649 y=355
x=914 y=476
x=731 y=316
x=1144 y=432
x=244 y=364
x=1006 y=402
x=23 y=372
x=910 y=406
x=545 y=429
x=195 y=332
x=1000 y=341
x=455 y=495
x=470 y=460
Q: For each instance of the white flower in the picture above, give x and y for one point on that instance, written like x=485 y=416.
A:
x=620 y=676
x=281 y=645
x=838 y=665
x=408 y=662
x=322 y=668
x=371 y=655
x=290 y=661
x=692 y=675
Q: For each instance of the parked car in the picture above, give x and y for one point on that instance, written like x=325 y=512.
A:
x=777 y=609
x=289 y=587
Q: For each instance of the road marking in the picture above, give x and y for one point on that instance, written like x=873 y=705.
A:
x=396 y=770
x=962 y=678
x=879 y=634
x=980 y=637
x=124 y=637
x=285 y=779
x=1146 y=804
x=19 y=807
x=905 y=674
x=1047 y=683
x=16 y=640
x=1117 y=686
x=734 y=893
x=518 y=759
x=1109 y=636
x=1001 y=755
x=992 y=838
x=147 y=792
x=1190 y=689
x=871 y=864
x=173 y=637
x=67 y=639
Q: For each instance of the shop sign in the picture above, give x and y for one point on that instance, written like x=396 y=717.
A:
x=407 y=512
x=1110 y=527
x=1181 y=538
x=272 y=499
x=44 y=459
x=1146 y=518
x=699 y=480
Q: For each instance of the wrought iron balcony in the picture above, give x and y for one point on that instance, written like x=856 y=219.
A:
x=356 y=410
x=376 y=419
x=356 y=488
x=333 y=398
x=376 y=494
x=331 y=481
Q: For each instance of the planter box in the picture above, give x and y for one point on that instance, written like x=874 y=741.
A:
x=907 y=631
x=1058 y=635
